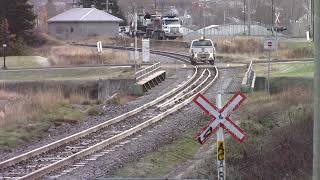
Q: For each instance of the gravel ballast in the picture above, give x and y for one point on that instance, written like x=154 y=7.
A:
x=110 y=112
x=150 y=139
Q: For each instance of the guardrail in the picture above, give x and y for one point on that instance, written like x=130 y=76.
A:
x=147 y=71
x=248 y=81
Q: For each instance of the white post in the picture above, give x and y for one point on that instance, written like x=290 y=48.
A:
x=100 y=43
x=131 y=53
x=308 y=35
x=146 y=50
x=220 y=146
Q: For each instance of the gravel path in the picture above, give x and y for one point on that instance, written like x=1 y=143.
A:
x=110 y=112
x=151 y=138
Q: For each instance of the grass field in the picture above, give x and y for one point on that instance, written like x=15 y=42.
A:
x=30 y=116
x=161 y=162
x=25 y=61
x=295 y=45
x=279 y=128
x=270 y=122
x=68 y=74
x=299 y=69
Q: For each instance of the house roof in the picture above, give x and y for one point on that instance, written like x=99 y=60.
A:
x=84 y=15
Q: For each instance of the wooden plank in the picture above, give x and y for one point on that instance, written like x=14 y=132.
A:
x=149 y=78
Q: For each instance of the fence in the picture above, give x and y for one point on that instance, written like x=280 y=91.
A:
x=255 y=29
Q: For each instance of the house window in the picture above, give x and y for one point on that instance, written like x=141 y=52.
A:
x=59 y=30
x=71 y=29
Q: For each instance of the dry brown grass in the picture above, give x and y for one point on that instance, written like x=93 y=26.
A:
x=95 y=39
x=5 y=95
x=294 y=97
x=74 y=55
x=303 y=52
x=28 y=107
x=30 y=116
x=280 y=138
x=239 y=45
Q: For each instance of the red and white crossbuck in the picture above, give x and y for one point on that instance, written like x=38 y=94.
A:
x=220 y=118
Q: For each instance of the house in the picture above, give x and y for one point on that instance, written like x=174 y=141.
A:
x=77 y=23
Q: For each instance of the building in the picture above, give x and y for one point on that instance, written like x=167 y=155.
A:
x=77 y=23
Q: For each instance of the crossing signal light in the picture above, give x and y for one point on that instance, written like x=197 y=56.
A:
x=277 y=29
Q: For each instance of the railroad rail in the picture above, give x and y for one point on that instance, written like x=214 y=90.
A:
x=49 y=158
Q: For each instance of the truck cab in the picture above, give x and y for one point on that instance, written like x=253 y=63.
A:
x=172 y=27
x=202 y=50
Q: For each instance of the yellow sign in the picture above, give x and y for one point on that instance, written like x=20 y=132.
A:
x=220 y=151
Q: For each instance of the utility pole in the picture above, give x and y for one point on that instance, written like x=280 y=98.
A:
x=224 y=17
x=272 y=13
x=249 y=17
x=135 y=41
x=4 y=57
x=244 y=17
x=4 y=39
x=312 y=18
x=204 y=20
x=107 y=6
x=316 y=125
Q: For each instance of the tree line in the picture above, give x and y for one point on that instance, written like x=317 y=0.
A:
x=17 y=23
x=112 y=5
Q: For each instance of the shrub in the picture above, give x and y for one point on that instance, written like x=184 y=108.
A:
x=32 y=114
x=240 y=45
x=303 y=52
x=72 y=55
x=95 y=111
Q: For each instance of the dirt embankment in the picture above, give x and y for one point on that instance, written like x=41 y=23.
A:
x=279 y=144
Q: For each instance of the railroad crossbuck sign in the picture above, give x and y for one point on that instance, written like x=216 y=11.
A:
x=220 y=117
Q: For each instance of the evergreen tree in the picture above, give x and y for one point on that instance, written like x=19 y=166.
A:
x=17 y=22
x=113 y=7
x=19 y=15
x=51 y=9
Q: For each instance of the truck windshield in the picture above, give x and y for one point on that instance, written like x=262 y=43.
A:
x=202 y=43
x=140 y=18
x=167 y=22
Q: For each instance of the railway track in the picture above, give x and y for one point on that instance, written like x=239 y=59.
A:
x=179 y=56
x=44 y=160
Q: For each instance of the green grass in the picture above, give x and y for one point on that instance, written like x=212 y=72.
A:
x=64 y=113
x=24 y=61
x=286 y=69
x=161 y=162
x=67 y=74
x=14 y=135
